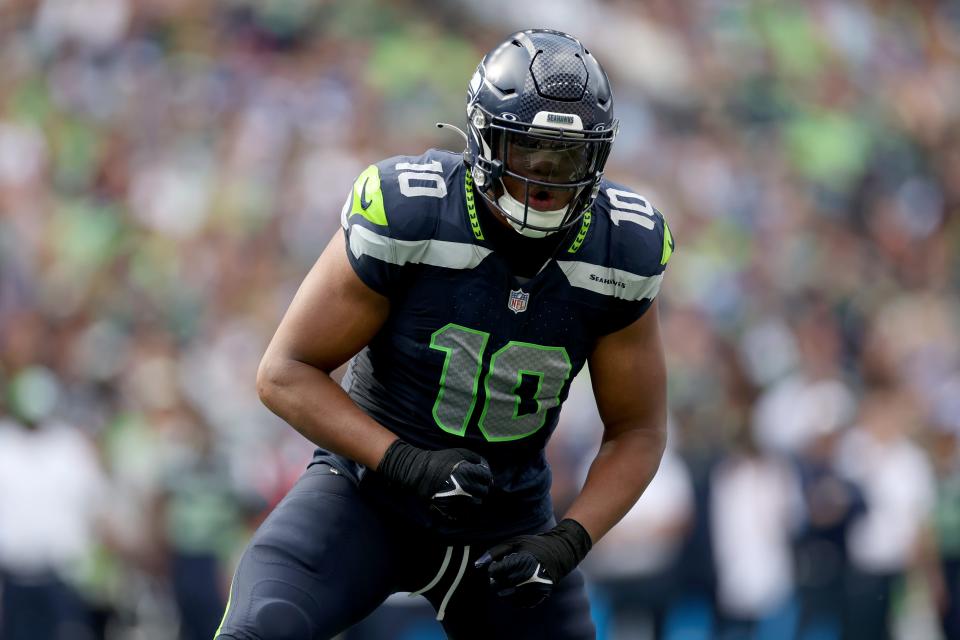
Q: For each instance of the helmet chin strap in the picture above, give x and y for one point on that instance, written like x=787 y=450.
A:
x=538 y=218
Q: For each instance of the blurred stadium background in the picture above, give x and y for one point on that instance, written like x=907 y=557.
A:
x=169 y=170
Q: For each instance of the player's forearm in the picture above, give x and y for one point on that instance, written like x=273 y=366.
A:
x=620 y=473
x=316 y=406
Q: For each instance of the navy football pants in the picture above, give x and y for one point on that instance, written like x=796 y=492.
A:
x=324 y=559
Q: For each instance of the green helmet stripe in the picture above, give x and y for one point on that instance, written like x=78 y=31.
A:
x=471 y=205
x=582 y=234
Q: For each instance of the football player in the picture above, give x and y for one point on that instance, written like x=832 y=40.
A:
x=466 y=290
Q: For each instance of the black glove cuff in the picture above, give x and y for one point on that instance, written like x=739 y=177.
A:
x=576 y=538
x=401 y=463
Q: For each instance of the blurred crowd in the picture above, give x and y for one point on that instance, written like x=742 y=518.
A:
x=170 y=169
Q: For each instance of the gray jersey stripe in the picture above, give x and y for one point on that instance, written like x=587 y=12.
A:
x=609 y=281
x=438 y=253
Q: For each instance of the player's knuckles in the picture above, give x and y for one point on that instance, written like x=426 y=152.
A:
x=501 y=550
x=475 y=480
x=513 y=569
x=477 y=471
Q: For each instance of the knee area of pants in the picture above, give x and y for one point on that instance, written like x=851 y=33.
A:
x=281 y=620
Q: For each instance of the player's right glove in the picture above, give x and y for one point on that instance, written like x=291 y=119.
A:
x=453 y=481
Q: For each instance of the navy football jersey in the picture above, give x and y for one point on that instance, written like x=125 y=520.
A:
x=471 y=356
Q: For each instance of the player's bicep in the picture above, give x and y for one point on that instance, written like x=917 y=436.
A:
x=333 y=315
x=628 y=373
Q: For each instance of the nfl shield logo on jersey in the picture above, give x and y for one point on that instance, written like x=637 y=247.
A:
x=518 y=301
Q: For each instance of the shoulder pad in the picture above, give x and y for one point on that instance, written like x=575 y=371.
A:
x=409 y=210
x=626 y=250
x=403 y=197
x=640 y=240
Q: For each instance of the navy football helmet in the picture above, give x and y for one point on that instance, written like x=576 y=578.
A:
x=540 y=127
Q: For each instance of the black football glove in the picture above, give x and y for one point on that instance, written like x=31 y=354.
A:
x=524 y=569
x=453 y=481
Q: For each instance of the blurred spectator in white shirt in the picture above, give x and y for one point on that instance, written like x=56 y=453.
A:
x=794 y=409
x=755 y=509
x=51 y=492
x=899 y=491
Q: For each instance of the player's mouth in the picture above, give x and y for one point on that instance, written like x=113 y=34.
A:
x=543 y=200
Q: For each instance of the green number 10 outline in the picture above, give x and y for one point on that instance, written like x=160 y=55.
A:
x=499 y=421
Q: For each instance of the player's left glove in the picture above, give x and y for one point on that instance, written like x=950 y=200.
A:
x=524 y=569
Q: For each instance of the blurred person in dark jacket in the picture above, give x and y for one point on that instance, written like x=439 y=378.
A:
x=198 y=519
x=832 y=503
x=944 y=447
